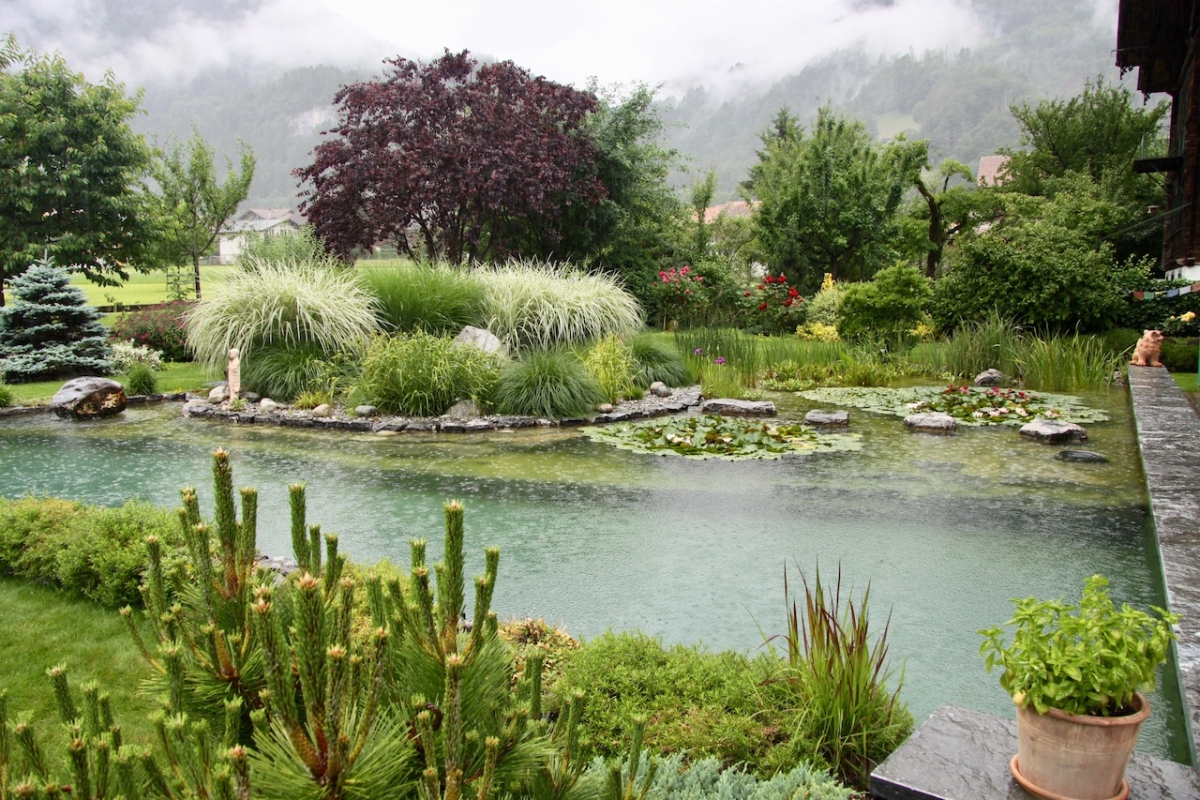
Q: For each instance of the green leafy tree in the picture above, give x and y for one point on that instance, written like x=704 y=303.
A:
x=50 y=331
x=945 y=207
x=196 y=206
x=71 y=170
x=634 y=229
x=1043 y=264
x=1099 y=134
x=829 y=198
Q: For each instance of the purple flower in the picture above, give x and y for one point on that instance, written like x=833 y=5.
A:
x=699 y=351
x=719 y=360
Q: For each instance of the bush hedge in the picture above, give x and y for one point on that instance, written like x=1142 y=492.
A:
x=96 y=552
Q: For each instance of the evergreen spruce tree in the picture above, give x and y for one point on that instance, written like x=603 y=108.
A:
x=49 y=331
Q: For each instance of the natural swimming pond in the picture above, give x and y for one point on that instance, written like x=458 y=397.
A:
x=946 y=529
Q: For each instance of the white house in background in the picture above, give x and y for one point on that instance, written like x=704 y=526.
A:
x=230 y=243
x=1184 y=273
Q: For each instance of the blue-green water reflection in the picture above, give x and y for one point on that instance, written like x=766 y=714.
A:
x=945 y=529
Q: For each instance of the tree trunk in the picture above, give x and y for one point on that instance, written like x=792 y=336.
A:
x=196 y=274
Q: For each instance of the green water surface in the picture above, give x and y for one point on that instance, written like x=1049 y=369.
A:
x=945 y=529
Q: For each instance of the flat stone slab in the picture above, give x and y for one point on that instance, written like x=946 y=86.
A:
x=931 y=422
x=1053 y=431
x=960 y=754
x=1081 y=457
x=738 y=408
x=827 y=418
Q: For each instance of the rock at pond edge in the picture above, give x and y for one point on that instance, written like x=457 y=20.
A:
x=738 y=408
x=86 y=398
x=1053 y=431
x=931 y=422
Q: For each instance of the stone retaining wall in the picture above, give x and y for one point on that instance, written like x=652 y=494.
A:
x=1168 y=432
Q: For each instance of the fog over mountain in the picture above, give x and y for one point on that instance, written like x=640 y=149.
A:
x=265 y=71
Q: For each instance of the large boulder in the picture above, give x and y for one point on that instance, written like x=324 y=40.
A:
x=85 y=398
x=483 y=339
x=738 y=408
x=991 y=377
x=822 y=418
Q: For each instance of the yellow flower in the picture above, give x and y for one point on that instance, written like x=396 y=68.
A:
x=1188 y=317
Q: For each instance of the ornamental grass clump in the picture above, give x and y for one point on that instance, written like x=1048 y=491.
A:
x=422 y=375
x=437 y=299
x=658 y=360
x=286 y=304
x=1087 y=659
x=612 y=364
x=530 y=305
x=547 y=383
x=837 y=677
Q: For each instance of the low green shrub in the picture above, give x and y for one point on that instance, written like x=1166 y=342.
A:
x=140 y=379
x=891 y=305
x=6 y=395
x=612 y=364
x=659 y=360
x=437 y=299
x=93 y=551
x=1179 y=355
x=547 y=383
x=159 y=327
x=1120 y=341
x=696 y=702
x=423 y=375
x=708 y=779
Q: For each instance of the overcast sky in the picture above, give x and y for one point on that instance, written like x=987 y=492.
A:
x=655 y=41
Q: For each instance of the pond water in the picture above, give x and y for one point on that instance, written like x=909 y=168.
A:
x=945 y=529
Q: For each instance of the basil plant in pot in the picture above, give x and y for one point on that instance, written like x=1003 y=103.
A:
x=1076 y=675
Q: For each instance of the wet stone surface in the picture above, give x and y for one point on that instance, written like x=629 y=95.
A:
x=960 y=754
x=1168 y=432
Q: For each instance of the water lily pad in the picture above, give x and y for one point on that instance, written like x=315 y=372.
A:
x=970 y=405
x=714 y=436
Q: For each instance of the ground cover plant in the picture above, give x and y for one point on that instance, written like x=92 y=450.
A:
x=725 y=438
x=970 y=405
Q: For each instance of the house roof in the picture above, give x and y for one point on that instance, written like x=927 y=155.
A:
x=1152 y=35
x=258 y=225
x=990 y=168
x=737 y=208
x=264 y=213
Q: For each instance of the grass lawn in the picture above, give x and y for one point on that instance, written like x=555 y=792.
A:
x=146 y=288
x=44 y=627
x=173 y=377
x=1187 y=381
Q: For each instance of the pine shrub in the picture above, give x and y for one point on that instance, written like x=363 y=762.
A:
x=547 y=383
x=49 y=331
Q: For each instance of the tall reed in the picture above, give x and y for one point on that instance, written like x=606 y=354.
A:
x=436 y=298
x=837 y=676
x=989 y=343
x=1067 y=363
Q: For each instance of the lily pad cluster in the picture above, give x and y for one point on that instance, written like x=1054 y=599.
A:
x=728 y=438
x=970 y=405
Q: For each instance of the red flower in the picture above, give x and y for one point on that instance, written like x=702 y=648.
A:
x=792 y=292
x=747 y=294
x=787 y=302
x=761 y=287
x=763 y=307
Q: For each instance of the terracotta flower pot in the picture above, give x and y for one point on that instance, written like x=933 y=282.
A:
x=1069 y=757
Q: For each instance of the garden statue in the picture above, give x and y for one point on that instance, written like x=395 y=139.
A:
x=233 y=374
x=1145 y=354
